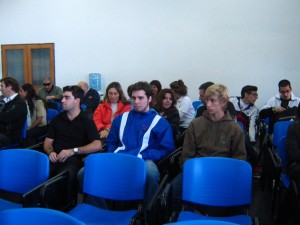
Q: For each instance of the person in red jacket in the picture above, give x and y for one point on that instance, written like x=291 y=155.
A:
x=114 y=104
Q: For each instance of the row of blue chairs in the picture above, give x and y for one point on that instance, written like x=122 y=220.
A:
x=37 y=216
x=274 y=177
x=122 y=178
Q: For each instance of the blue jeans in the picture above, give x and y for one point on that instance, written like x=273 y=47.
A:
x=152 y=183
x=152 y=180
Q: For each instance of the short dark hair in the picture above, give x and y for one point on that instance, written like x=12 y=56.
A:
x=248 y=89
x=205 y=85
x=12 y=82
x=284 y=83
x=141 y=85
x=77 y=91
x=179 y=87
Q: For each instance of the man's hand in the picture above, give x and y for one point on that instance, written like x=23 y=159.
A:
x=278 y=109
x=53 y=156
x=64 y=154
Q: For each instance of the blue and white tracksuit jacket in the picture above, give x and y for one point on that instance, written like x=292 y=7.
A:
x=146 y=135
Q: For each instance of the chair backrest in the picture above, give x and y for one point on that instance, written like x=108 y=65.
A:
x=36 y=216
x=114 y=176
x=281 y=151
x=202 y=222
x=24 y=130
x=196 y=104
x=280 y=130
x=22 y=169
x=217 y=181
x=51 y=113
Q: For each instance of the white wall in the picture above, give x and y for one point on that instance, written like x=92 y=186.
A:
x=235 y=42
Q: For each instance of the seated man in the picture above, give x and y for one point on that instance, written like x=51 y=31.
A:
x=283 y=106
x=13 y=112
x=50 y=93
x=213 y=134
x=247 y=114
x=142 y=132
x=91 y=98
x=202 y=108
x=71 y=136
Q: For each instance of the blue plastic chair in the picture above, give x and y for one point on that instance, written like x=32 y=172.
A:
x=217 y=182
x=111 y=176
x=197 y=103
x=280 y=130
x=51 y=113
x=21 y=170
x=281 y=151
x=36 y=216
x=202 y=222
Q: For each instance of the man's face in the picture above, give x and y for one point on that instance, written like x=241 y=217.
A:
x=47 y=84
x=68 y=101
x=285 y=92
x=140 y=101
x=5 y=90
x=251 y=97
x=214 y=105
x=202 y=95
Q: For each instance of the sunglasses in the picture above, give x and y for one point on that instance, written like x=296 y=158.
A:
x=46 y=84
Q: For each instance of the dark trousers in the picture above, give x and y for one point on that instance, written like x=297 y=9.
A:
x=73 y=164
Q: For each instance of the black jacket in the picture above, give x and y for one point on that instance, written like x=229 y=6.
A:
x=12 y=118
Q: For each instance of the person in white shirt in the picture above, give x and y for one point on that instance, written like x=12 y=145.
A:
x=184 y=104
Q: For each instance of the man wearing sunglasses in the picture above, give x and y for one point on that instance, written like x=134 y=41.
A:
x=50 y=92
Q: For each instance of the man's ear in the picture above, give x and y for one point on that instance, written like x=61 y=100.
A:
x=150 y=98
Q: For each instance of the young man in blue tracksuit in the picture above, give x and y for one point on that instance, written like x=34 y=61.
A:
x=142 y=132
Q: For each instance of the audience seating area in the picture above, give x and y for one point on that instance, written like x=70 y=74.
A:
x=211 y=194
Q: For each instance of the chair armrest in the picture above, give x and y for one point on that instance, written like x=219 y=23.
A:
x=55 y=193
x=157 y=209
x=38 y=196
x=168 y=164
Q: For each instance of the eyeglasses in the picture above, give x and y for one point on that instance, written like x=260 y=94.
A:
x=46 y=84
x=254 y=94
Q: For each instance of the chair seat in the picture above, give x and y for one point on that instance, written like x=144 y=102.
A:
x=239 y=219
x=92 y=215
x=8 y=205
x=285 y=180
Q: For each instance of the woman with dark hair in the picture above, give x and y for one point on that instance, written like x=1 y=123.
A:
x=156 y=88
x=114 y=103
x=38 y=112
x=184 y=104
x=166 y=107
